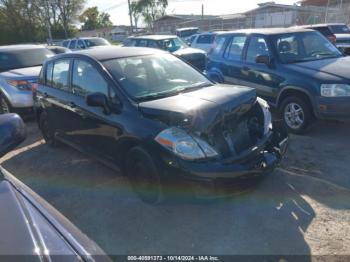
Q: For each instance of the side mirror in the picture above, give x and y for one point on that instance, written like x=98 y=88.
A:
x=12 y=132
x=100 y=100
x=263 y=59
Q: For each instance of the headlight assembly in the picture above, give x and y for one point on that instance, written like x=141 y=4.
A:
x=267 y=115
x=184 y=145
x=335 y=90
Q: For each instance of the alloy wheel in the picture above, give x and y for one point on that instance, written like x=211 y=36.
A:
x=294 y=115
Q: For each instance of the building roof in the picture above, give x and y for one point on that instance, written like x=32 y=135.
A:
x=186 y=17
x=154 y=37
x=272 y=31
x=272 y=4
x=114 y=52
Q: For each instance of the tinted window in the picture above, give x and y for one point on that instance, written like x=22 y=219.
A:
x=81 y=44
x=172 y=44
x=72 y=44
x=48 y=74
x=257 y=46
x=86 y=79
x=235 y=48
x=141 y=43
x=148 y=77
x=65 y=43
x=13 y=59
x=340 y=29
x=96 y=42
x=60 y=75
x=205 y=39
x=152 y=44
x=323 y=30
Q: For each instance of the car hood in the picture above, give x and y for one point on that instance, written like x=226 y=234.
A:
x=33 y=227
x=28 y=72
x=202 y=109
x=342 y=36
x=188 y=51
x=327 y=69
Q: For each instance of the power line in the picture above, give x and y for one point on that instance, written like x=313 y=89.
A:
x=115 y=6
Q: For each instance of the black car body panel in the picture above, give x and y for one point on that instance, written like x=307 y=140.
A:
x=218 y=114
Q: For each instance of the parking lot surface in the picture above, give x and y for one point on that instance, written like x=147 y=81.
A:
x=302 y=208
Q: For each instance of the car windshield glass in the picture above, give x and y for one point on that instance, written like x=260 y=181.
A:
x=172 y=44
x=155 y=76
x=304 y=46
x=340 y=29
x=23 y=58
x=96 y=42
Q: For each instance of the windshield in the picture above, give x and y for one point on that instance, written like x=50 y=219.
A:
x=23 y=58
x=172 y=44
x=187 y=33
x=340 y=29
x=96 y=42
x=155 y=76
x=304 y=46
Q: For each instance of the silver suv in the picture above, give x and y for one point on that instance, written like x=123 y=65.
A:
x=20 y=66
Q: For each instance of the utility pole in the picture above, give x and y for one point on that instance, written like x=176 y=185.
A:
x=130 y=14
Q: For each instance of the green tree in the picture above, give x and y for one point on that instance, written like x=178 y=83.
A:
x=93 y=19
x=151 y=10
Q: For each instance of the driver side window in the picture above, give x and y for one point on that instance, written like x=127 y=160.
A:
x=86 y=79
x=257 y=46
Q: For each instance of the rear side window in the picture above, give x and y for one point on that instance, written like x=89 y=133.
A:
x=257 y=46
x=141 y=43
x=323 y=30
x=219 y=43
x=235 y=49
x=205 y=39
x=86 y=79
x=72 y=44
x=65 y=43
x=48 y=74
x=60 y=75
x=81 y=44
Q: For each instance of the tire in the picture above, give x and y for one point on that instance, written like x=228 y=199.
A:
x=47 y=130
x=296 y=114
x=144 y=176
x=5 y=106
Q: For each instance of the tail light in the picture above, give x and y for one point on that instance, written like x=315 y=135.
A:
x=333 y=39
x=34 y=87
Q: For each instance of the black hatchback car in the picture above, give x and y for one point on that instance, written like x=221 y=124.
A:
x=156 y=118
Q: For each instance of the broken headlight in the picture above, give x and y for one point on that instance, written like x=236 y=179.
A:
x=186 y=146
x=267 y=115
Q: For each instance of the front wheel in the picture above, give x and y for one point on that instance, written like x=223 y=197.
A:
x=144 y=176
x=296 y=114
x=4 y=105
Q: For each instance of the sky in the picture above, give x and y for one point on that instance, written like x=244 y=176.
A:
x=118 y=9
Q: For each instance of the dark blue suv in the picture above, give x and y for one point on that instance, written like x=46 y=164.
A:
x=299 y=71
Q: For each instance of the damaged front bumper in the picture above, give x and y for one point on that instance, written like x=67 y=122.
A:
x=259 y=160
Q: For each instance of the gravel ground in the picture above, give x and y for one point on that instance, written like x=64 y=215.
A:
x=302 y=208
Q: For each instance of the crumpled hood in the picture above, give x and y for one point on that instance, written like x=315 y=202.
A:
x=201 y=109
x=28 y=72
x=188 y=51
x=325 y=68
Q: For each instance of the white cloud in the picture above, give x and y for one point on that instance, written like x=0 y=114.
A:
x=119 y=12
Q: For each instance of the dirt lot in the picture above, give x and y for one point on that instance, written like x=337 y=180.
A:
x=302 y=208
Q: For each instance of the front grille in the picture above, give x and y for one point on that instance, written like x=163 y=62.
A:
x=232 y=136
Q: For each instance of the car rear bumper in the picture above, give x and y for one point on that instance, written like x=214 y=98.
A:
x=335 y=108
x=18 y=98
x=262 y=160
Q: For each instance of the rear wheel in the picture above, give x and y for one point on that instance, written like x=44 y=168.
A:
x=4 y=105
x=47 y=130
x=144 y=176
x=296 y=114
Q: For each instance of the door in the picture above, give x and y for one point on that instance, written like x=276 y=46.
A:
x=92 y=129
x=265 y=78
x=53 y=94
x=233 y=54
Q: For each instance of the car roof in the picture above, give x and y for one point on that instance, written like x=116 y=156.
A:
x=154 y=37
x=113 y=52
x=187 y=28
x=11 y=48
x=272 y=31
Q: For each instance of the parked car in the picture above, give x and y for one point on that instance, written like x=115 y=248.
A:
x=156 y=117
x=29 y=225
x=324 y=30
x=205 y=41
x=58 y=49
x=174 y=45
x=186 y=33
x=85 y=43
x=19 y=68
x=296 y=70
